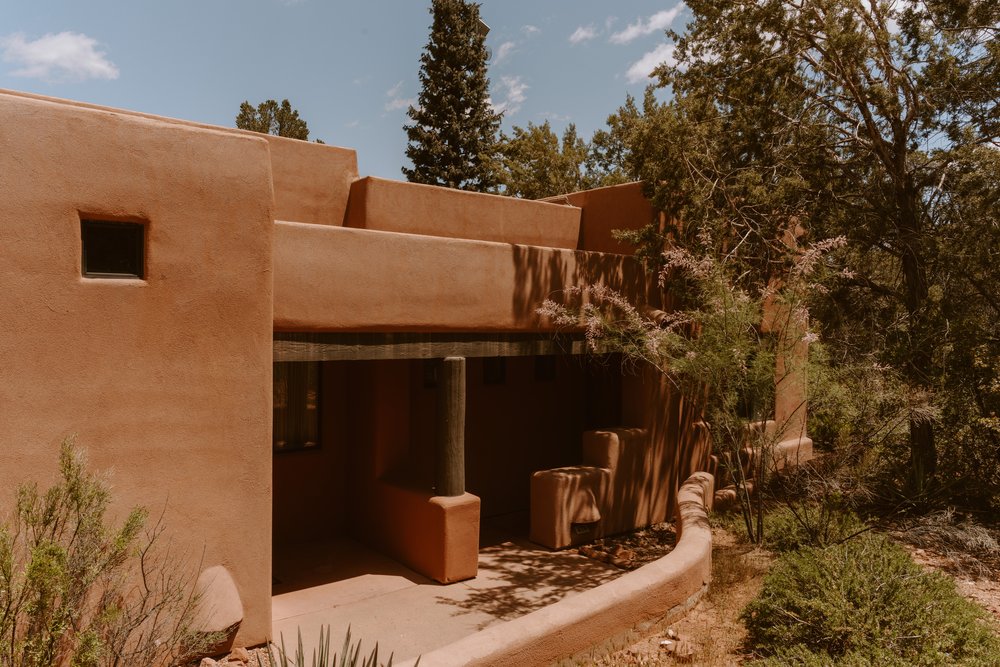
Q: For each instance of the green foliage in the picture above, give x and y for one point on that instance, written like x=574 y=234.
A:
x=272 y=118
x=350 y=654
x=862 y=119
x=453 y=137
x=811 y=524
x=534 y=164
x=718 y=346
x=864 y=602
x=75 y=590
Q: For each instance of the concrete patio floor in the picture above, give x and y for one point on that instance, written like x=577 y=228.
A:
x=342 y=583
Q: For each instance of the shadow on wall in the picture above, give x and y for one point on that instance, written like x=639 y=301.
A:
x=543 y=273
x=646 y=486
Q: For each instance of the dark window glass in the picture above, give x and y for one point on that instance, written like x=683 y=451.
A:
x=113 y=249
x=296 y=405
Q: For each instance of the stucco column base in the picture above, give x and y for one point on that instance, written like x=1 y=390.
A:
x=437 y=536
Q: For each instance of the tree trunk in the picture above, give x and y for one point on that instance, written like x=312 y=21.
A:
x=923 y=454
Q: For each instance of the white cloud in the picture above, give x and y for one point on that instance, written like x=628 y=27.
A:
x=503 y=51
x=553 y=116
x=642 y=68
x=610 y=21
x=514 y=95
x=352 y=124
x=582 y=34
x=530 y=30
x=396 y=101
x=657 y=22
x=65 y=56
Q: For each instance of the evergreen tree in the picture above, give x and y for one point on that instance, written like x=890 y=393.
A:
x=272 y=118
x=453 y=138
x=868 y=120
x=534 y=164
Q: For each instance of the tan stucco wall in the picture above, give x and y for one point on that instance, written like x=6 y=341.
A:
x=412 y=208
x=386 y=281
x=606 y=210
x=311 y=182
x=164 y=380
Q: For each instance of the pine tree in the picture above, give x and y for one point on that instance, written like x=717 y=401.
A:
x=453 y=138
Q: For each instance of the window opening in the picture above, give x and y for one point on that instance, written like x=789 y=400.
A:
x=113 y=249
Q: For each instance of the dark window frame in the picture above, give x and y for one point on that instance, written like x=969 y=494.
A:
x=131 y=249
x=300 y=445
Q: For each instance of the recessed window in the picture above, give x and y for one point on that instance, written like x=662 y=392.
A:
x=113 y=249
x=296 y=405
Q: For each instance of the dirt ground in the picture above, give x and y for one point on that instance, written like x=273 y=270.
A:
x=711 y=633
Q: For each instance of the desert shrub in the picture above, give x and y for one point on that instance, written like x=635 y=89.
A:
x=810 y=524
x=864 y=601
x=76 y=590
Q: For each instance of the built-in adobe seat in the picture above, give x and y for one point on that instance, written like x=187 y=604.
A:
x=603 y=496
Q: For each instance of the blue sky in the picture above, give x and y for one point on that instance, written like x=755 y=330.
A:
x=349 y=68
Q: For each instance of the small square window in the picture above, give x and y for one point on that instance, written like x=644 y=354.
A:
x=113 y=249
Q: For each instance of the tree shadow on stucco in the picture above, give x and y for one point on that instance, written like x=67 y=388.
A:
x=545 y=273
x=518 y=578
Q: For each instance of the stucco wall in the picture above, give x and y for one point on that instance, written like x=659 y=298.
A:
x=606 y=210
x=412 y=208
x=164 y=380
x=386 y=281
x=311 y=182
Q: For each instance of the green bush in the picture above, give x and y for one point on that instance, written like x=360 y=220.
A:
x=76 y=591
x=864 y=602
x=810 y=524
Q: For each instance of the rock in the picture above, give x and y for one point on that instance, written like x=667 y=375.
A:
x=671 y=633
x=207 y=662
x=239 y=655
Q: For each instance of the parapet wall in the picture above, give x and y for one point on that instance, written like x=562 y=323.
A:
x=388 y=281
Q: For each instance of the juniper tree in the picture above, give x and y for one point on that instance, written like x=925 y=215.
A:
x=453 y=137
x=854 y=117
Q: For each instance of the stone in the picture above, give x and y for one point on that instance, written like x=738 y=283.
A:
x=207 y=662
x=239 y=655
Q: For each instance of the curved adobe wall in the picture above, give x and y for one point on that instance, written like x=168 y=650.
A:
x=565 y=628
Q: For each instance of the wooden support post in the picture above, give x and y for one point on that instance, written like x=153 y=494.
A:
x=450 y=454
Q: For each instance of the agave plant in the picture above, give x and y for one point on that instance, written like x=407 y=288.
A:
x=350 y=655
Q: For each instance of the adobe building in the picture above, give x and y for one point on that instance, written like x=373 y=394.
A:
x=275 y=350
